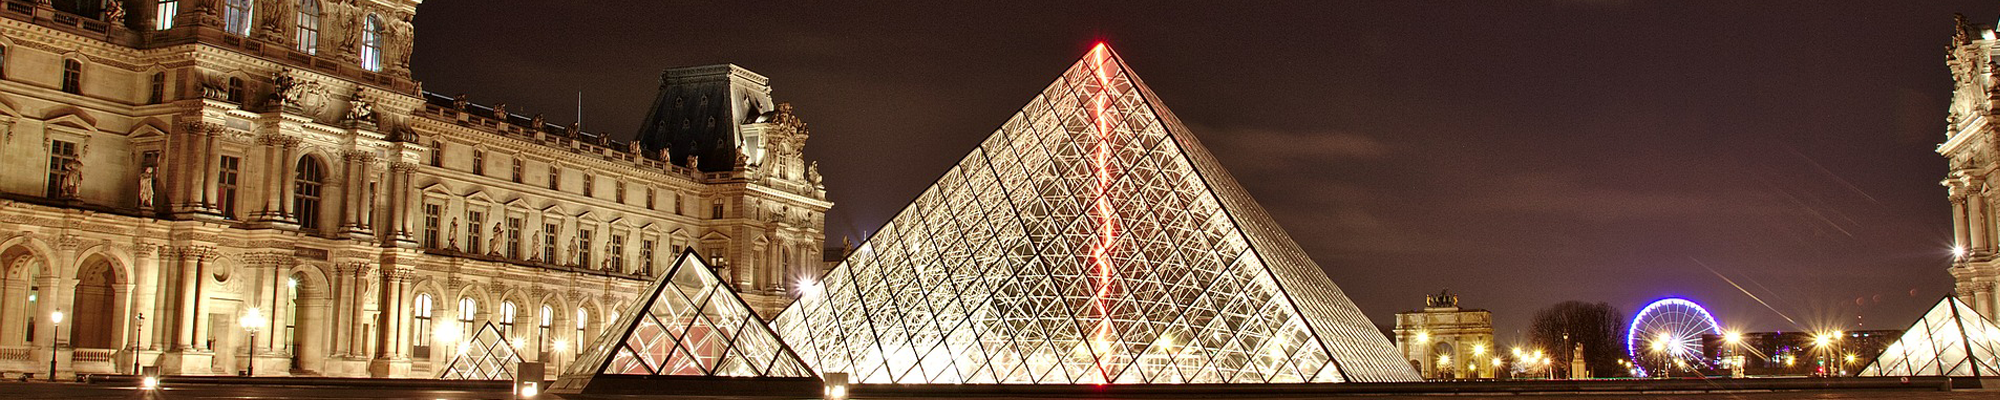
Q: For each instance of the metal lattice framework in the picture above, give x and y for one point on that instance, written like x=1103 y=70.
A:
x=1666 y=335
x=486 y=355
x=1090 y=240
x=689 y=324
x=1950 y=340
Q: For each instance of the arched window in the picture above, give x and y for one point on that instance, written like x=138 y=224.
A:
x=507 y=319
x=542 y=331
x=72 y=78
x=466 y=309
x=305 y=191
x=371 y=43
x=163 y=15
x=421 y=331
x=308 y=34
x=236 y=16
x=582 y=321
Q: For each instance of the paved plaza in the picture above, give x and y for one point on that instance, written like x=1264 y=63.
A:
x=79 y=391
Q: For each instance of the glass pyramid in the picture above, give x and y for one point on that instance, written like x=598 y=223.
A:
x=1089 y=240
x=485 y=356
x=1950 y=340
x=687 y=324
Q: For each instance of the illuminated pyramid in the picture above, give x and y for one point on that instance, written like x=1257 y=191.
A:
x=1950 y=340
x=486 y=356
x=686 y=324
x=1090 y=240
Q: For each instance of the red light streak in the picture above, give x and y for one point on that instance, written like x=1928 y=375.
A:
x=1107 y=232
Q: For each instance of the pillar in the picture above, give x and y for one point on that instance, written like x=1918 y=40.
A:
x=1960 y=231
x=1975 y=215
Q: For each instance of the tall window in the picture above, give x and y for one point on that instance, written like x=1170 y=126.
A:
x=582 y=321
x=72 y=76
x=555 y=178
x=678 y=200
x=62 y=157
x=589 y=183
x=308 y=35
x=235 y=90
x=3 y=62
x=514 y=237
x=466 y=309
x=616 y=252
x=651 y=196
x=225 y=185
x=715 y=209
x=549 y=242
x=421 y=342
x=305 y=191
x=158 y=91
x=507 y=314
x=236 y=16
x=583 y=246
x=371 y=43
x=164 y=12
x=542 y=331
x=515 y=171
x=646 y=257
x=478 y=162
x=433 y=216
x=475 y=224
x=437 y=153
x=618 y=192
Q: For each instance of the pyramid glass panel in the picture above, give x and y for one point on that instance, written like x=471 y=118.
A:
x=1089 y=240
x=485 y=355
x=687 y=324
x=1950 y=340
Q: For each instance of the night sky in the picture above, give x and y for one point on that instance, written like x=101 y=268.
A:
x=1520 y=153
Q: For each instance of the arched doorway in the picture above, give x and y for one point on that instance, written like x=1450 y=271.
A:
x=306 y=330
x=95 y=305
x=19 y=269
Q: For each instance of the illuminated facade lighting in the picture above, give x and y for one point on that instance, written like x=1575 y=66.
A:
x=485 y=355
x=1062 y=250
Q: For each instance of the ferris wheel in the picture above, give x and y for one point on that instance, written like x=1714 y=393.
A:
x=1666 y=335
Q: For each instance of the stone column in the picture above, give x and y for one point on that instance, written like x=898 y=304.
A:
x=270 y=210
x=186 y=316
x=208 y=161
x=146 y=268
x=288 y=162
x=357 y=339
x=1975 y=215
x=402 y=200
x=1960 y=230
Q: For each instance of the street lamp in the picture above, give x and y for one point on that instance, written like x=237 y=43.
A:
x=138 y=321
x=55 y=341
x=252 y=320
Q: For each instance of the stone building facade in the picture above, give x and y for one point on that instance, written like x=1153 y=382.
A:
x=1446 y=342
x=1971 y=148
x=173 y=166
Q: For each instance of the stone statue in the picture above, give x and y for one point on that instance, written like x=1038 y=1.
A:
x=537 y=123
x=694 y=162
x=500 y=111
x=360 y=109
x=459 y=102
x=114 y=13
x=573 y=259
x=666 y=156
x=146 y=177
x=742 y=159
x=451 y=236
x=493 y=244
x=72 y=178
x=812 y=173
x=632 y=146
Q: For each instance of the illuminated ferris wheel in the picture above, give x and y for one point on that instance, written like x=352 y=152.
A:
x=1666 y=336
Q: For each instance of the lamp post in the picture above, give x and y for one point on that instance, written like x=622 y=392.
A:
x=251 y=320
x=55 y=342
x=138 y=321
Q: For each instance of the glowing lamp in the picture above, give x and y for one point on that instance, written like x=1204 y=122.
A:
x=1478 y=349
x=1423 y=336
x=149 y=383
x=56 y=317
x=1732 y=337
x=561 y=344
x=836 y=386
x=1958 y=251
x=530 y=389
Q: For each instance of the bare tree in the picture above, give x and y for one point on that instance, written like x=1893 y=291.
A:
x=1599 y=327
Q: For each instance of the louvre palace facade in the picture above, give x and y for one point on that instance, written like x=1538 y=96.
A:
x=183 y=173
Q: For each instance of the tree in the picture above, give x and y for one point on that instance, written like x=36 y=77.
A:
x=1599 y=327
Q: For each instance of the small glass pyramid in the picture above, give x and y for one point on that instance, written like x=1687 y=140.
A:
x=486 y=356
x=687 y=324
x=1090 y=240
x=1950 y=340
